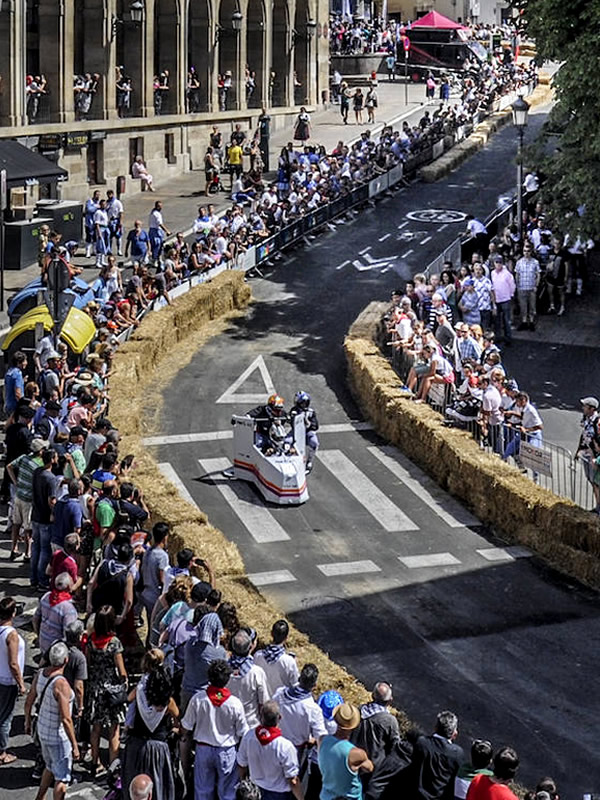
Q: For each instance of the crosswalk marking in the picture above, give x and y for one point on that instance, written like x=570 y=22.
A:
x=429 y=560
x=447 y=509
x=170 y=474
x=213 y=436
x=248 y=507
x=504 y=553
x=348 y=568
x=365 y=492
x=269 y=578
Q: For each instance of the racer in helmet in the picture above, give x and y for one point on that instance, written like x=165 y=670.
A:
x=302 y=406
x=265 y=415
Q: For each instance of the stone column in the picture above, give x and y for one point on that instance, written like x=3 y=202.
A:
x=170 y=54
x=56 y=59
x=12 y=64
x=135 y=55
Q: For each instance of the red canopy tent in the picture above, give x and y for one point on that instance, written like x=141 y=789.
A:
x=436 y=20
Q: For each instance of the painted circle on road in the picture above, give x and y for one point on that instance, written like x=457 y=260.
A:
x=437 y=215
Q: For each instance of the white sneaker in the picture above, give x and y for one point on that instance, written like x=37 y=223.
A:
x=561 y=311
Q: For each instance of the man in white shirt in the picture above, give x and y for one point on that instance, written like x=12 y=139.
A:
x=279 y=666
x=101 y=229
x=215 y=720
x=156 y=230
x=114 y=209
x=478 y=234
x=491 y=414
x=270 y=758
x=248 y=681
x=301 y=718
x=530 y=429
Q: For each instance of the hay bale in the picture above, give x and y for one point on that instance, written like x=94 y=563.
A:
x=565 y=535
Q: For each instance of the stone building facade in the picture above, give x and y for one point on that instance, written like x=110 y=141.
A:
x=284 y=42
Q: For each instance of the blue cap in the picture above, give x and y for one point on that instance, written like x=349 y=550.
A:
x=329 y=701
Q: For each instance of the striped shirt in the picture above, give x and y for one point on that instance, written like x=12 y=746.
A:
x=25 y=465
x=53 y=620
x=483 y=290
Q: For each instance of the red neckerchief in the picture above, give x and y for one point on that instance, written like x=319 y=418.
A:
x=266 y=735
x=57 y=597
x=217 y=696
x=100 y=642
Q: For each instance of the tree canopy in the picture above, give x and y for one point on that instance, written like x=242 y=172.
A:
x=567 y=32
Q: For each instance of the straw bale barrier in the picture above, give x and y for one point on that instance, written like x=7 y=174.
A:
x=135 y=368
x=448 y=162
x=555 y=528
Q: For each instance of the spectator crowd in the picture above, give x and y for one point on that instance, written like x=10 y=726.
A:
x=202 y=707
x=450 y=332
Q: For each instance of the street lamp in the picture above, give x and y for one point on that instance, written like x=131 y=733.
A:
x=136 y=15
x=237 y=19
x=310 y=28
x=520 y=111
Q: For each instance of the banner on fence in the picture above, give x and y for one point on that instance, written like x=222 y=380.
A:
x=395 y=175
x=378 y=185
x=438 y=149
x=536 y=459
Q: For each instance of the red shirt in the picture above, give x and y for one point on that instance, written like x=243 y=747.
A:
x=484 y=788
x=61 y=562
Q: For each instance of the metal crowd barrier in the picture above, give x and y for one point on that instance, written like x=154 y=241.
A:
x=547 y=464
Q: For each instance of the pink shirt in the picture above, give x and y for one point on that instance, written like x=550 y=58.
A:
x=504 y=285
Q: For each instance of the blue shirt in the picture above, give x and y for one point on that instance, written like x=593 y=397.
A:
x=338 y=779
x=138 y=244
x=13 y=380
x=68 y=515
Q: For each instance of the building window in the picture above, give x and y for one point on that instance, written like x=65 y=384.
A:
x=136 y=148
x=170 y=148
x=95 y=166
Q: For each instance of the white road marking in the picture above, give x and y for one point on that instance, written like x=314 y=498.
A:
x=366 y=250
x=429 y=560
x=383 y=238
x=504 y=553
x=269 y=578
x=348 y=568
x=341 y=266
x=230 y=396
x=447 y=508
x=213 y=436
x=170 y=474
x=248 y=507
x=365 y=492
x=408 y=252
x=441 y=228
x=403 y=225
x=426 y=239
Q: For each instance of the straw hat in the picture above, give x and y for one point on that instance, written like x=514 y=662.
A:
x=347 y=717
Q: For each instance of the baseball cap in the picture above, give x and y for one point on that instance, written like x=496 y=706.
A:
x=511 y=385
x=28 y=413
x=469 y=282
x=37 y=444
x=329 y=701
x=590 y=401
x=52 y=405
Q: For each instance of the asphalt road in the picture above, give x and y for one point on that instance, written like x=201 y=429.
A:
x=385 y=572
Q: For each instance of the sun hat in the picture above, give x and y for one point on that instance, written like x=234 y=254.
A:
x=347 y=717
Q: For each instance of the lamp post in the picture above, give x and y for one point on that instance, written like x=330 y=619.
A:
x=136 y=16
x=520 y=110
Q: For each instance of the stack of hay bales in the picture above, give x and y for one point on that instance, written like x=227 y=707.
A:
x=564 y=534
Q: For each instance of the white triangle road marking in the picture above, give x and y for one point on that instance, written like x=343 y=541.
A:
x=230 y=395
